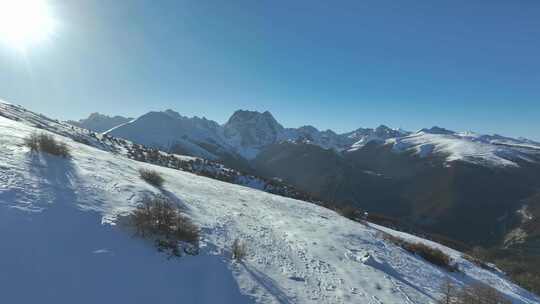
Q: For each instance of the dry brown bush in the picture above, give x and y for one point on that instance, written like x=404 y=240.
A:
x=239 y=250
x=152 y=177
x=158 y=218
x=46 y=143
x=430 y=254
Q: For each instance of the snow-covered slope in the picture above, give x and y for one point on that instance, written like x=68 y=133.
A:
x=106 y=142
x=60 y=243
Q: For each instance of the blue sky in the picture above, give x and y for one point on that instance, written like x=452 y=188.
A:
x=464 y=65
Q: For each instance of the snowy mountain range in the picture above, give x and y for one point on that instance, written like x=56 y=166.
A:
x=63 y=241
x=247 y=133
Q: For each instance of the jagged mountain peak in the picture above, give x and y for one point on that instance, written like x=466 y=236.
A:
x=250 y=117
x=387 y=132
x=249 y=131
x=100 y=122
x=436 y=130
x=173 y=113
x=158 y=115
x=362 y=136
x=383 y=127
x=308 y=129
x=95 y=115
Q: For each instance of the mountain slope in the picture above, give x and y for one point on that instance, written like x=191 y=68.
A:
x=462 y=200
x=58 y=221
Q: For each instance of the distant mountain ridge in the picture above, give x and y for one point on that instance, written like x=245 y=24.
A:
x=247 y=133
x=244 y=135
x=100 y=123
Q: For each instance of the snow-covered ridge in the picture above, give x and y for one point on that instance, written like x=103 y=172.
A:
x=59 y=246
x=488 y=150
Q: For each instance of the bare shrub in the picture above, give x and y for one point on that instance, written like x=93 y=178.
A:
x=158 y=218
x=152 y=177
x=239 y=250
x=32 y=142
x=392 y=239
x=142 y=217
x=46 y=143
x=185 y=230
x=430 y=254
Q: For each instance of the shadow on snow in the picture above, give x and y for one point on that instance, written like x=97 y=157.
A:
x=65 y=255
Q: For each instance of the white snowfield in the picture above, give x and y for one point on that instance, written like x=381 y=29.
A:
x=59 y=242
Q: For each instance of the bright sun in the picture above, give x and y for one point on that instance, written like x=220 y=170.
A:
x=24 y=23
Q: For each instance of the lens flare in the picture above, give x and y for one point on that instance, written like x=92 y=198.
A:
x=25 y=23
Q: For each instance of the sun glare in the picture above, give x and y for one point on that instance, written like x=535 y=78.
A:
x=25 y=23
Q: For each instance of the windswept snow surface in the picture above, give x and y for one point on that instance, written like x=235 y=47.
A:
x=60 y=243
